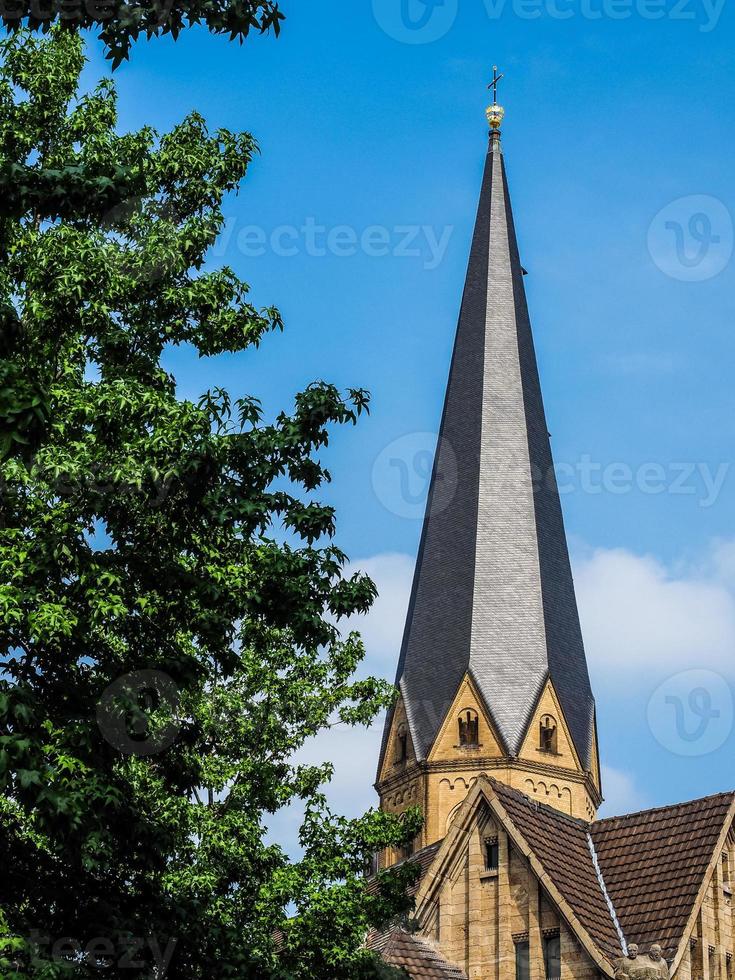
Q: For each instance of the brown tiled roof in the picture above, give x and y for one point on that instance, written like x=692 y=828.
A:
x=423 y=858
x=416 y=956
x=561 y=845
x=654 y=863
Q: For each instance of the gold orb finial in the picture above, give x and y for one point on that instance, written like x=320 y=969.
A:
x=495 y=112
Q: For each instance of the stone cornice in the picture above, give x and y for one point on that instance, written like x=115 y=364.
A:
x=484 y=764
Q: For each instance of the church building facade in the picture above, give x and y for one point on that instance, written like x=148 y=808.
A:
x=493 y=733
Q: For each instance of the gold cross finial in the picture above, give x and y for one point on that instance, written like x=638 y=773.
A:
x=495 y=112
x=494 y=84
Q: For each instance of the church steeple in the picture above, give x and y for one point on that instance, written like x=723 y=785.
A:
x=493 y=605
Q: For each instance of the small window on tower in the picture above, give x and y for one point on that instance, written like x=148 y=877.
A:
x=402 y=744
x=491 y=854
x=726 y=870
x=548 y=740
x=469 y=728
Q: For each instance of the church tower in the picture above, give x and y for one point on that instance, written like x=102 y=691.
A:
x=492 y=672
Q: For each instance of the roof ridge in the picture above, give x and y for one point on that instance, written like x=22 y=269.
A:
x=606 y=894
x=666 y=806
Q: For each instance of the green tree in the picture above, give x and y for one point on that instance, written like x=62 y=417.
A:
x=122 y=22
x=169 y=585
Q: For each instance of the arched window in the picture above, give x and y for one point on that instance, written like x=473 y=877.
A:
x=401 y=744
x=469 y=728
x=548 y=739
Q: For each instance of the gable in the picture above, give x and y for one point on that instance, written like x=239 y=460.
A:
x=564 y=753
x=555 y=846
x=398 y=726
x=643 y=878
x=446 y=746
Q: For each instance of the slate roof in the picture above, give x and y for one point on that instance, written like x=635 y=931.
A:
x=493 y=591
x=654 y=863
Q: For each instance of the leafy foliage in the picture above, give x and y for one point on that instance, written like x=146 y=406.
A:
x=169 y=585
x=123 y=21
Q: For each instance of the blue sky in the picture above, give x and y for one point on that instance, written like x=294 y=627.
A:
x=356 y=221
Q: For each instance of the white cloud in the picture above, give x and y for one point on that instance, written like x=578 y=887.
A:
x=354 y=754
x=642 y=363
x=382 y=627
x=639 y=616
x=621 y=793
x=354 y=751
x=636 y=611
x=723 y=561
